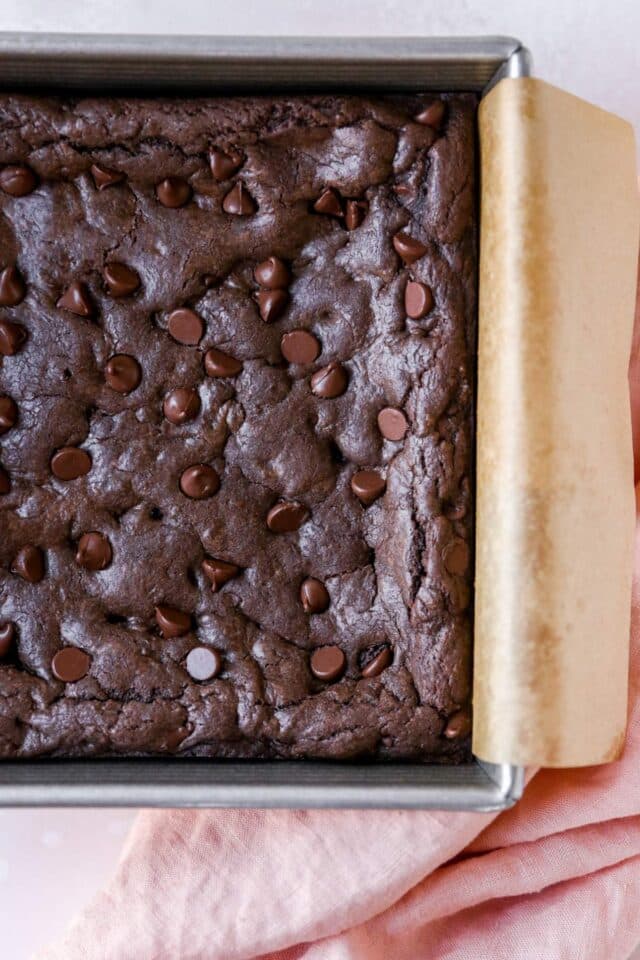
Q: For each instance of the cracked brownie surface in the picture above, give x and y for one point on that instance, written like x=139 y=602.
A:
x=237 y=344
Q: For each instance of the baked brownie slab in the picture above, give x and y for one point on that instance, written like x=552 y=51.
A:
x=236 y=397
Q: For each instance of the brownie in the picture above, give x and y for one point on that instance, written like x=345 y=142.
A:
x=237 y=343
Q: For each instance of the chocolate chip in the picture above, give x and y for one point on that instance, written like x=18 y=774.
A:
x=172 y=622
x=104 y=177
x=76 y=299
x=199 y=482
x=239 y=201
x=328 y=663
x=12 y=287
x=433 y=115
x=28 y=563
x=272 y=273
x=330 y=381
x=186 y=326
x=368 y=486
x=7 y=636
x=418 y=299
x=286 y=516
x=300 y=346
x=70 y=664
x=219 y=572
x=356 y=211
x=392 y=423
x=12 y=337
x=94 y=551
x=69 y=463
x=120 y=280
x=330 y=203
x=122 y=373
x=379 y=662
x=5 y=482
x=224 y=163
x=203 y=663
x=458 y=725
x=456 y=557
x=181 y=405
x=8 y=414
x=173 y=192
x=408 y=248
x=272 y=303
x=219 y=364
x=18 y=179
x=314 y=596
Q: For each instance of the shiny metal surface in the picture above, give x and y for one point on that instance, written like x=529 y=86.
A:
x=55 y=63
x=250 y=64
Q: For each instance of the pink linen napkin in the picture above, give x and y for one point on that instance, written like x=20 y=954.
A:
x=557 y=877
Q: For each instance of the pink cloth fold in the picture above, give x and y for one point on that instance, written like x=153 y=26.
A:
x=556 y=877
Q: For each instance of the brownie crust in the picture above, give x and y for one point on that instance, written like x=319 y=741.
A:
x=355 y=198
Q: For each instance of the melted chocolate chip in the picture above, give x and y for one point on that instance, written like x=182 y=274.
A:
x=328 y=663
x=272 y=274
x=199 y=482
x=392 y=423
x=122 y=373
x=272 y=304
x=219 y=572
x=94 y=551
x=70 y=664
x=224 y=163
x=172 y=622
x=408 y=248
x=314 y=596
x=18 y=180
x=8 y=414
x=356 y=211
x=120 y=280
x=7 y=636
x=69 y=463
x=181 y=405
x=458 y=725
x=12 y=337
x=28 y=563
x=456 y=557
x=186 y=326
x=330 y=381
x=203 y=663
x=219 y=364
x=300 y=346
x=286 y=516
x=329 y=203
x=12 y=287
x=418 y=299
x=104 y=177
x=368 y=486
x=379 y=662
x=239 y=201
x=173 y=192
x=5 y=482
x=77 y=300
x=433 y=115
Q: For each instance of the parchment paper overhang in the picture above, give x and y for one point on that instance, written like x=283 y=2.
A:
x=555 y=499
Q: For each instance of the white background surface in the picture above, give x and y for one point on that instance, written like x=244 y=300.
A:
x=50 y=860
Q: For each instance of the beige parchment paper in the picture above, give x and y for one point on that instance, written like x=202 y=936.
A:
x=555 y=502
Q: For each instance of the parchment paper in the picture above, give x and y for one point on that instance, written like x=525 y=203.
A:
x=555 y=503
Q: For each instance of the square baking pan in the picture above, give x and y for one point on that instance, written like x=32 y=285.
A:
x=59 y=63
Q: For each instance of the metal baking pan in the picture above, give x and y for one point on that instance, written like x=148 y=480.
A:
x=59 y=63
